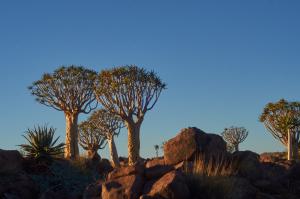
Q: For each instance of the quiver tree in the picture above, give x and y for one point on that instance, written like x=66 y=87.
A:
x=234 y=136
x=282 y=120
x=129 y=91
x=109 y=126
x=91 y=139
x=67 y=89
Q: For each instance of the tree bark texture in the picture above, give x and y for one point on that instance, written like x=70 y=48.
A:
x=236 y=147
x=113 y=152
x=71 y=149
x=133 y=143
x=289 y=145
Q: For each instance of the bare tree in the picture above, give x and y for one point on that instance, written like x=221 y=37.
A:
x=67 y=89
x=109 y=125
x=91 y=140
x=282 y=120
x=129 y=91
x=234 y=136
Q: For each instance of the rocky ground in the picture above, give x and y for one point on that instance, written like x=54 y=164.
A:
x=178 y=175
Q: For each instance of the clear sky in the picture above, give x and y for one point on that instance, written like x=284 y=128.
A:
x=222 y=61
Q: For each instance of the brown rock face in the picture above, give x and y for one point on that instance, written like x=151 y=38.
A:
x=126 y=187
x=10 y=161
x=156 y=168
x=137 y=169
x=124 y=183
x=154 y=162
x=172 y=186
x=190 y=141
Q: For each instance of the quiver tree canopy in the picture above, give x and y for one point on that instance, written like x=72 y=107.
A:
x=282 y=120
x=129 y=91
x=108 y=125
x=91 y=139
x=67 y=89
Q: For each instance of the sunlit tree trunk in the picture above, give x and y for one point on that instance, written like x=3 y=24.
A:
x=71 y=149
x=290 y=145
x=236 y=147
x=133 y=142
x=113 y=152
x=295 y=146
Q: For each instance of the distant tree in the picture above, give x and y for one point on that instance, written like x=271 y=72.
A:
x=109 y=125
x=67 y=89
x=234 y=136
x=91 y=139
x=156 y=147
x=129 y=91
x=282 y=120
x=41 y=143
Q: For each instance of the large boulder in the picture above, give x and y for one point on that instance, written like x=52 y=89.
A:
x=189 y=142
x=10 y=161
x=172 y=186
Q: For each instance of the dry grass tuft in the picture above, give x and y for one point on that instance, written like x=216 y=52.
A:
x=211 y=176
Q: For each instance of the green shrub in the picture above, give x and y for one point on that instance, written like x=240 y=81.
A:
x=41 y=143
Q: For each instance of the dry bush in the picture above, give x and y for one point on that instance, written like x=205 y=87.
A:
x=211 y=176
x=214 y=165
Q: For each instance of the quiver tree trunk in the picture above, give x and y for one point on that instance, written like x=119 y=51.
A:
x=290 y=145
x=113 y=152
x=133 y=142
x=71 y=150
x=236 y=147
x=295 y=154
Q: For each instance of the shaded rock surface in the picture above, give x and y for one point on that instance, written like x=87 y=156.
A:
x=172 y=185
x=10 y=161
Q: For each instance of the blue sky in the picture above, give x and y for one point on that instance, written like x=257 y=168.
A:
x=222 y=61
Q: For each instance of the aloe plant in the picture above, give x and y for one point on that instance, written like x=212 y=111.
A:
x=41 y=143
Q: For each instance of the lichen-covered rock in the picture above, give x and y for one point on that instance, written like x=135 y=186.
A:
x=189 y=142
